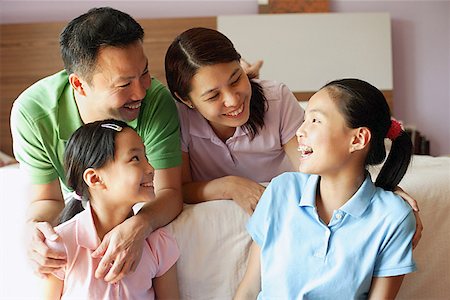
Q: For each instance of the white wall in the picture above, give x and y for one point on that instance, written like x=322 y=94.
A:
x=340 y=45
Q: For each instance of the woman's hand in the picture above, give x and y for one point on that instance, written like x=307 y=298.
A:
x=245 y=192
x=252 y=70
x=413 y=203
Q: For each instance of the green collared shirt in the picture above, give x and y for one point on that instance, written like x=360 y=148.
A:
x=45 y=115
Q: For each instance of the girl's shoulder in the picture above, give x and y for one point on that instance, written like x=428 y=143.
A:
x=161 y=239
x=295 y=181
x=390 y=204
x=67 y=228
x=163 y=248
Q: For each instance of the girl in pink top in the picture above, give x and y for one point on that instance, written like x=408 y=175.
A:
x=105 y=163
x=236 y=132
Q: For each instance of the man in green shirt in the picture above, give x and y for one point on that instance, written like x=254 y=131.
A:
x=106 y=76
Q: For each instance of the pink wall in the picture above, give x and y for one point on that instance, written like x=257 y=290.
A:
x=421 y=56
x=19 y=11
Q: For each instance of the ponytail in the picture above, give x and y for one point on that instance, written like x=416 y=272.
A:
x=72 y=208
x=396 y=164
x=258 y=107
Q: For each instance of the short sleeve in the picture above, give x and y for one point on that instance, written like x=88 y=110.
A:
x=164 y=248
x=28 y=146
x=292 y=114
x=159 y=128
x=58 y=246
x=395 y=257
x=257 y=225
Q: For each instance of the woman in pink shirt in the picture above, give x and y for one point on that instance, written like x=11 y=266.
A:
x=106 y=163
x=236 y=132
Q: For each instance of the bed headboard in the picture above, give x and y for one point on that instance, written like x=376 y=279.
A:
x=288 y=44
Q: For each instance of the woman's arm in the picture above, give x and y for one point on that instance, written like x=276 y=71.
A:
x=385 y=287
x=53 y=287
x=243 y=191
x=250 y=285
x=413 y=203
x=166 y=286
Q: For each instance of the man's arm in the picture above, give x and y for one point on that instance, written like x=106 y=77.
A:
x=127 y=239
x=46 y=204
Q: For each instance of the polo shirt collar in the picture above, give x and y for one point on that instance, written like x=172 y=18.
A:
x=355 y=206
x=133 y=123
x=360 y=201
x=69 y=118
x=309 y=193
x=86 y=233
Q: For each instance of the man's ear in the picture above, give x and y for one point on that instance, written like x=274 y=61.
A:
x=361 y=139
x=77 y=83
x=185 y=101
x=93 y=179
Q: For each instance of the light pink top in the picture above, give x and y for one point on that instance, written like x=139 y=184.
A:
x=79 y=240
x=259 y=159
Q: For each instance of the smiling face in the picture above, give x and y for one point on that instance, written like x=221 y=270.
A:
x=128 y=179
x=119 y=84
x=324 y=138
x=221 y=93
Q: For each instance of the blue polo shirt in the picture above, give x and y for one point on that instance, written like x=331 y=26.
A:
x=303 y=258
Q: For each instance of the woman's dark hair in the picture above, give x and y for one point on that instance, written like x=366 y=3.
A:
x=363 y=105
x=199 y=47
x=90 y=146
x=81 y=40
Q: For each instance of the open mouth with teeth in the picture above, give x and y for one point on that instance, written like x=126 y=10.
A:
x=236 y=112
x=147 y=184
x=304 y=150
x=133 y=105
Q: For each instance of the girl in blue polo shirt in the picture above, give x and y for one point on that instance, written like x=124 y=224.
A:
x=329 y=232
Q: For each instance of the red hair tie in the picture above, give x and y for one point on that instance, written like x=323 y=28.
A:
x=395 y=130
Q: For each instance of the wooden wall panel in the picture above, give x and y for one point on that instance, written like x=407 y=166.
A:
x=294 y=6
x=28 y=52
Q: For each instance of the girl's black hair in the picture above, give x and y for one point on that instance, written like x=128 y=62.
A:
x=90 y=146
x=198 y=47
x=363 y=105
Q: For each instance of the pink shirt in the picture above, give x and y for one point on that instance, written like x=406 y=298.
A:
x=259 y=159
x=79 y=240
